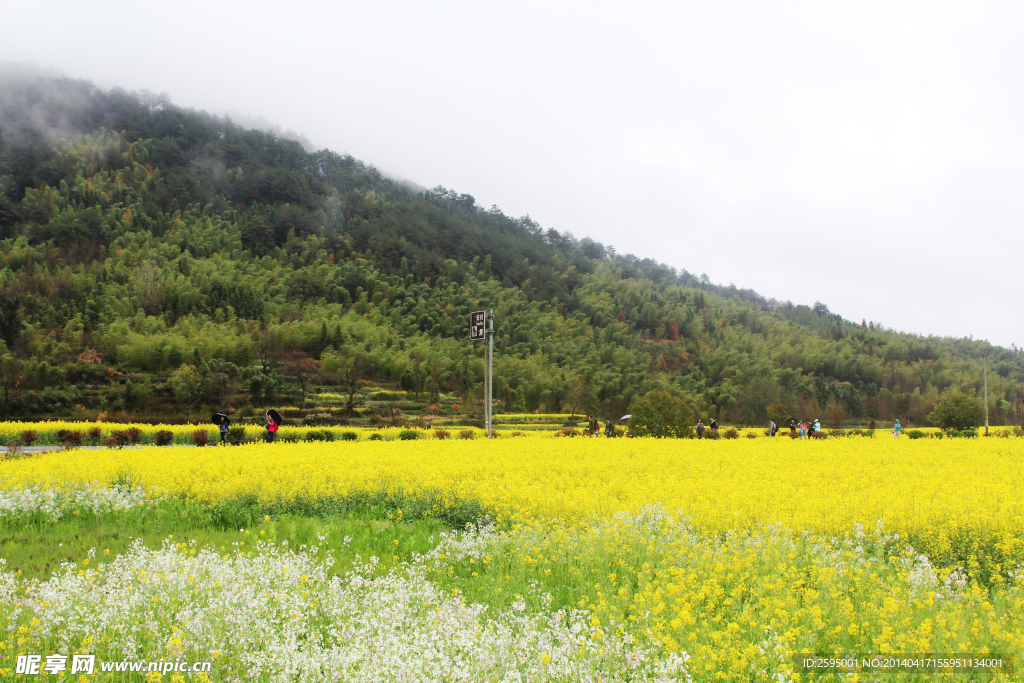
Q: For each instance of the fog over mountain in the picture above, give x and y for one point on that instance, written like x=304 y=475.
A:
x=867 y=156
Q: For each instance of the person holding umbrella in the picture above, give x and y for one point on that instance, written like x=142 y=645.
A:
x=222 y=422
x=273 y=424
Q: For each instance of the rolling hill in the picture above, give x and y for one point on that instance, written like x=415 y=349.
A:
x=156 y=261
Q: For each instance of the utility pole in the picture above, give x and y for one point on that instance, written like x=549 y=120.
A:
x=481 y=328
x=490 y=374
x=984 y=357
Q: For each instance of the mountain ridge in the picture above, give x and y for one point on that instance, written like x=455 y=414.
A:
x=151 y=223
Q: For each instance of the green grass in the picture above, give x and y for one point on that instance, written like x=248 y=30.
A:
x=37 y=549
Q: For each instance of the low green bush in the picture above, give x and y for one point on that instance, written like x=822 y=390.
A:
x=408 y=435
x=375 y=437
x=349 y=436
x=916 y=434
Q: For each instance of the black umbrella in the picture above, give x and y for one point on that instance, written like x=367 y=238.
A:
x=274 y=415
x=217 y=416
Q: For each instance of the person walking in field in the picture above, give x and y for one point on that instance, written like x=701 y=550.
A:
x=817 y=427
x=772 y=428
x=713 y=425
x=803 y=428
x=609 y=428
x=700 y=428
x=792 y=427
x=223 y=425
x=272 y=428
x=896 y=429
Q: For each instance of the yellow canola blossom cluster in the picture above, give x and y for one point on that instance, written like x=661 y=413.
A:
x=953 y=499
x=743 y=605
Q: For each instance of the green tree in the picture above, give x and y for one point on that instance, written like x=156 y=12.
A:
x=778 y=413
x=957 y=411
x=256 y=234
x=187 y=384
x=348 y=368
x=11 y=323
x=662 y=415
x=12 y=381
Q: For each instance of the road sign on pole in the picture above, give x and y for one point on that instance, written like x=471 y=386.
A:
x=490 y=374
x=476 y=326
x=478 y=331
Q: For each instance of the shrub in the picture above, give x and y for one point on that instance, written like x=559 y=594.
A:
x=840 y=432
x=518 y=434
x=660 y=414
x=730 y=433
x=349 y=436
x=289 y=437
x=120 y=438
x=441 y=434
x=315 y=435
x=110 y=443
x=751 y=435
x=962 y=433
x=871 y=432
x=778 y=412
x=29 y=437
x=568 y=431
x=134 y=435
x=236 y=435
x=375 y=437
x=433 y=409
x=13 y=448
x=467 y=434
x=916 y=434
x=711 y=434
x=408 y=435
x=163 y=438
x=956 y=411
x=200 y=437
x=95 y=435
x=319 y=420
x=70 y=439
x=819 y=435
x=455 y=408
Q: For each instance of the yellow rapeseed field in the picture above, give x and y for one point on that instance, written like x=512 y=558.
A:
x=843 y=545
x=945 y=496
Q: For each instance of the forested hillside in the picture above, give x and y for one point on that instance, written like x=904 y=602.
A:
x=155 y=260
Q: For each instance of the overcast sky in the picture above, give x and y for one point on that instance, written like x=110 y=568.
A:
x=867 y=155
